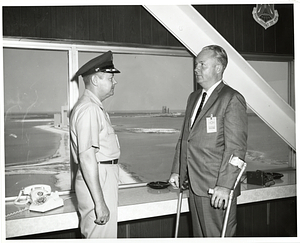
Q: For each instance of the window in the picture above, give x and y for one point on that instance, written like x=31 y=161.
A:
x=146 y=110
x=266 y=150
x=35 y=117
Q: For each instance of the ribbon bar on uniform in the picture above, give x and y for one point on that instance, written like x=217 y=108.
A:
x=109 y=162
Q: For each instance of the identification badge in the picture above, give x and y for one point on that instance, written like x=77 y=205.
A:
x=211 y=124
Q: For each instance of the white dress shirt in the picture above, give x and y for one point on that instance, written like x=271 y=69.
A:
x=208 y=92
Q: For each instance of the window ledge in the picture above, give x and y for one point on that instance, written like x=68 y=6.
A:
x=134 y=203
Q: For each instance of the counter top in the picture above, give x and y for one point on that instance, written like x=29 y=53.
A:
x=134 y=203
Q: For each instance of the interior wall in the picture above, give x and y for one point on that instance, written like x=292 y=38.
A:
x=134 y=25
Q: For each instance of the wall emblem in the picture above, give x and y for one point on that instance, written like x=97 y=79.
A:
x=265 y=15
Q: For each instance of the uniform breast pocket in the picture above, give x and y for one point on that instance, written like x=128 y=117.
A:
x=110 y=130
x=112 y=136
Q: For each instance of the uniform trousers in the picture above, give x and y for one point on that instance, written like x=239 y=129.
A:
x=109 y=178
x=208 y=221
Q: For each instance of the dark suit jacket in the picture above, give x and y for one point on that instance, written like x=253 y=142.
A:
x=206 y=155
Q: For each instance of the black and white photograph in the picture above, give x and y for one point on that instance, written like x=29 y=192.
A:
x=149 y=121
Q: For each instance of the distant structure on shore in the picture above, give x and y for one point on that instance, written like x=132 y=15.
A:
x=165 y=110
x=61 y=119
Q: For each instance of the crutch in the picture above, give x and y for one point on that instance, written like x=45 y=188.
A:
x=242 y=165
x=184 y=186
x=178 y=211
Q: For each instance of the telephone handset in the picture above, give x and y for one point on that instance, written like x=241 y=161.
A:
x=40 y=197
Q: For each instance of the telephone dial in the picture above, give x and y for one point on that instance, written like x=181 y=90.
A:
x=40 y=197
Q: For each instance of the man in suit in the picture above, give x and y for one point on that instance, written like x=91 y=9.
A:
x=207 y=143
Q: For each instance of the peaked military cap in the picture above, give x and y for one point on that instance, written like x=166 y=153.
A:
x=102 y=63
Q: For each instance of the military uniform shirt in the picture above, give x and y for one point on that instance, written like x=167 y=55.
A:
x=91 y=127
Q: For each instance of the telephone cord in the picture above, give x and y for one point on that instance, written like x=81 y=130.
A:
x=16 y=212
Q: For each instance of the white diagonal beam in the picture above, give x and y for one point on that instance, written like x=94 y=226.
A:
x=194 y=32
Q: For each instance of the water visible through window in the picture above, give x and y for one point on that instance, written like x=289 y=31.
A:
x=35 y=119
x=146 y=110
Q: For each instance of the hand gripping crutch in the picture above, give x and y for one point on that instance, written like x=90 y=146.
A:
x=242 y=165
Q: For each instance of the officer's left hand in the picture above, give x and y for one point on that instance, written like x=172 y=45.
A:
x=220 y=197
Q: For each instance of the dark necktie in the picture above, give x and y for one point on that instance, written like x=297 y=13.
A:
x=201 y=105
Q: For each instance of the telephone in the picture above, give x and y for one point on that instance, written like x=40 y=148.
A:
x=40 y=197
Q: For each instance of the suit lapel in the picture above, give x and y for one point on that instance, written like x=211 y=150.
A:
x=211 y=100
x=192 y=105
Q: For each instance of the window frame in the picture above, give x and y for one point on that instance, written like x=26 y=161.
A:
x=291 y=86
x=291 y=70
x=73 y=49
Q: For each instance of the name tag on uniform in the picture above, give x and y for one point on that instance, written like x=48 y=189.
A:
x=211 y=124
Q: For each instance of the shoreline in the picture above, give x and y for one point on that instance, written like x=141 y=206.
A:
x=55 y=168
x=58 y=165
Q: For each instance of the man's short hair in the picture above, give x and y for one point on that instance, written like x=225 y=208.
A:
x=220 y=54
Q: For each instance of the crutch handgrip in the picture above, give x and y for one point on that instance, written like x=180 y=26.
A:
x=211 y=191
